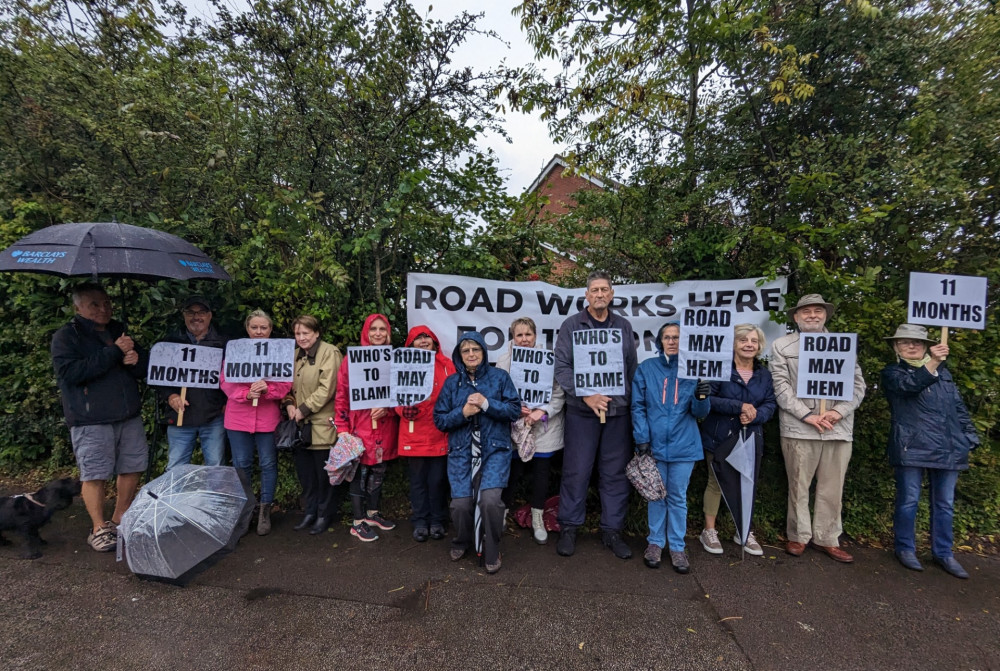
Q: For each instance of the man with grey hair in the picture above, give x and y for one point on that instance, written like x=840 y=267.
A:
x=97 y=367
x=814 y=444
x=587 y=438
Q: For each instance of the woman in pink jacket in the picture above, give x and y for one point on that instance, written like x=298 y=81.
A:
x=252 y=426
x=377 y=429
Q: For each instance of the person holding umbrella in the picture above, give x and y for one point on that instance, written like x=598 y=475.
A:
x=746 y=401
x=97 y=367
x=476 y=408
x=252 y=414
x=665 y=410
x=931 y=431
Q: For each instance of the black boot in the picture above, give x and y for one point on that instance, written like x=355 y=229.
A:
x=306 y=522
x=264 y=520
x=322 y=524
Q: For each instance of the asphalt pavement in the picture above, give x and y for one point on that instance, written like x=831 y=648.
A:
x=294 y=601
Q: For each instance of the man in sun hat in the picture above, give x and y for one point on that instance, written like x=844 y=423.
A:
x=814 y=445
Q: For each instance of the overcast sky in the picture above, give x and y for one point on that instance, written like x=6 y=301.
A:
x=530 y=148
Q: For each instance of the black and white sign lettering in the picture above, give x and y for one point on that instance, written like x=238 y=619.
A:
x=947 y=300
x=370 y=376
x=706 y=345
x=252 y=359
x=181 y=365
x=826 y=365
x=598 y=362
x=412 y=375
x=532 y=371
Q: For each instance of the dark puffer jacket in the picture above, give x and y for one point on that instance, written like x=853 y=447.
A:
x=727 y=402
x=494 y=422
x=931 y=427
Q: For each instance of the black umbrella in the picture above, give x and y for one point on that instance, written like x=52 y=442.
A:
x=736 y=462
x=109 y=250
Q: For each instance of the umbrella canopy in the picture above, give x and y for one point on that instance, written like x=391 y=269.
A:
x=184 y=517
x=109 y=250
x=736 y=463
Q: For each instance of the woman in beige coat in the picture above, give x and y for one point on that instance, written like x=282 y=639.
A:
x=311 y=400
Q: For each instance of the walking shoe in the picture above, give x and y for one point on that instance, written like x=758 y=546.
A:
x=679 y=561
x=363 y=532
x=456 y=553
x=710 y=541
x=376 y=520
x=652 y=555
x=541 y=536
x=493 y=567
x=566 y=545
x=613 y=540
x=909 y=559
x=752 y=547
x=105 y=539
x=420 y=534
x=951 y=565
x=437 y=532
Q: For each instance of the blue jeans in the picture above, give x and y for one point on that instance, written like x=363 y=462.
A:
x=668 y=518
x=904 y=518
x=242 y=444
x=180 y=443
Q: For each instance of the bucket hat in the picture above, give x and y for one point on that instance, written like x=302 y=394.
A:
x=911 y=332
x=812 y=299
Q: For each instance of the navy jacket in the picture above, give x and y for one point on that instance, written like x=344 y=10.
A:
x=494 y=422
x=931 y=427
x=619 y=405
x=727 y=401
x=96 y=387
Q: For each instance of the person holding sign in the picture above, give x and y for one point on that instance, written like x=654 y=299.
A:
x=598 y=427
x=377 y=428
x=97 y=368
x=545 y=422
x=931 y=431
x=476 y=408
x=311 y=400
x=252 y=414
x=815 y=442
x=426 y=447
x=202 y=417
x=665 y=414
x=746 y=401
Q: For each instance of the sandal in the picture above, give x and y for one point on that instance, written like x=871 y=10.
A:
x=104 y=539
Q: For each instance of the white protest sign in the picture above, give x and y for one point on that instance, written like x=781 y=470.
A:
x=532 y=371
x=252 y=359
x=826 y=365
x=706 y=345
x=453 y=304
x=180 y=365
x=947 y=300
x=598 y=362
x=370 y=376
x=412 y=375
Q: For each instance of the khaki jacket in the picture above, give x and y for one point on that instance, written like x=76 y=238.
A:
x=314 y=388
x=784 y=366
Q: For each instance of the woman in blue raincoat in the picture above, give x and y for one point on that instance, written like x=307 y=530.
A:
x=665 y=410
x=476 y=408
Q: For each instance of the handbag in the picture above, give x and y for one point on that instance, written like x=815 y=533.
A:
x=290 y=435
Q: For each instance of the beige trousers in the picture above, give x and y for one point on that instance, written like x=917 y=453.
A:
x=826 y=460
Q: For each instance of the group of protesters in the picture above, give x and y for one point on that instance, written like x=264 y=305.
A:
x=471 y=443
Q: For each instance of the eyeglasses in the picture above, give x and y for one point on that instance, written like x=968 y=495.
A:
x=671 y=338
x=471 y=350
x=196 y=313
x=903 y=342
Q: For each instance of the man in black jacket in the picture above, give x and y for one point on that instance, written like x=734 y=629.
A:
x=203 y=408
x=97 y=368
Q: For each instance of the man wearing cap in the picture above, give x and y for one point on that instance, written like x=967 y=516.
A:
x=203 y=408
x=814 y=445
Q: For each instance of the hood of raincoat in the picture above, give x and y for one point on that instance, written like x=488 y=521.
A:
x=365 y=342
x=439 y=356
x=456 y=355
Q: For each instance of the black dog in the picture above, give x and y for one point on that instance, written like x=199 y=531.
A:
x=27 y=513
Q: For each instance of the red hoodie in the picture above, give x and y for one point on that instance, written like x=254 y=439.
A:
x=424 y=440
x=380 y=442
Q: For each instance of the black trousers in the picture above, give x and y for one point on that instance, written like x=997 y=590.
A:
x=321 y=498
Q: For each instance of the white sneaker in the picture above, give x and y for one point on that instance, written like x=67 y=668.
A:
x=710 y=541
x=541 y=536
x=752 y=547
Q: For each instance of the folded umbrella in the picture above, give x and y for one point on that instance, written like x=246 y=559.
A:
x=735 y=463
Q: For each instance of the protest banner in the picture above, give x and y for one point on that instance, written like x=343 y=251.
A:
x=532 y=371
x=598 y=363
x=251 y=359
x=371 y=377
x=412 y=375
x=452 y=305
x=957 y=301
x=706 y=345
x=183 y=365
x=826 y=366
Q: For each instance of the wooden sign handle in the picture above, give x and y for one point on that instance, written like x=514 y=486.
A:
x=180 y=413
x=600 y=413
x=374 y=423
x=944 y=336
x=822 y=406
x=255 y=402
x=411 y=426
